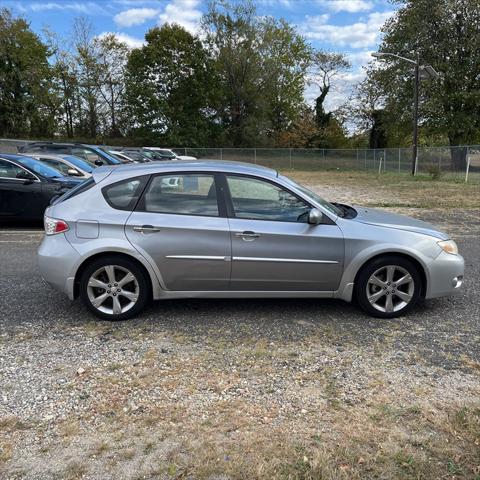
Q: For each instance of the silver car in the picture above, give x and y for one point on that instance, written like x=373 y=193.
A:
x=137 y=232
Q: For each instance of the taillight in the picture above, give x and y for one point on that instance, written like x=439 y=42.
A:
x=54 y=225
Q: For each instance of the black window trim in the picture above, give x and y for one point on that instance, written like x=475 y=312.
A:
x=229 y=202
x=221 y=196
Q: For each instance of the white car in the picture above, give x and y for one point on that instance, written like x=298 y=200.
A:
x=169 y=153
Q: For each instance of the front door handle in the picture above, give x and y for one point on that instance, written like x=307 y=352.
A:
x=145 y=229
x=248 y=236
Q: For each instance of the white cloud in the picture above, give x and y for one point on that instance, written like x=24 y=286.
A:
x=360 y=58
x=341 y=90
x=182 y=12
x=352 y=6
x=132 y=42
x=86 y=8
x=357 y=35
x=135 y=16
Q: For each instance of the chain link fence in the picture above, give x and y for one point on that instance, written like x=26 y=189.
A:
x=460 y=163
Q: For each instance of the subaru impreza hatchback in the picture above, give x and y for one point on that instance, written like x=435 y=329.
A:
x=176 y=230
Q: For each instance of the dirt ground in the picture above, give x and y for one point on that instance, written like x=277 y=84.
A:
x=246 y=389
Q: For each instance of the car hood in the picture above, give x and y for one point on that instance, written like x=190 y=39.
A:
x=67 y=181
x=372 y=216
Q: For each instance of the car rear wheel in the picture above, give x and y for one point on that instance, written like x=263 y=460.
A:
x=388 y=287
x=114 y=288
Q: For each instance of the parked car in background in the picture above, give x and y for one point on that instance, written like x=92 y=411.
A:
x=27 y=186
x=91 y=153
x=138 y=155
x=66 y=164
x=122 y=157
x=169 y=153
x=231 y=230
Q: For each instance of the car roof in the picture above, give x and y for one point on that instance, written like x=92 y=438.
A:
x=13 y=156
x=136 y=169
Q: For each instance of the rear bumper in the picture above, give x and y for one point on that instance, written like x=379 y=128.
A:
x=445 y=275
x=57 y=260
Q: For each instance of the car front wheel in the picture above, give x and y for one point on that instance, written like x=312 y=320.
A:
x=388 y=287
x=114 y=288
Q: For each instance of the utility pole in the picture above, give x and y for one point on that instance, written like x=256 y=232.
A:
x=415 y=116
x=426 y=71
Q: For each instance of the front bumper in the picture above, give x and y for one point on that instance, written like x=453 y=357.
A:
x=57 y=260
x=445 y=275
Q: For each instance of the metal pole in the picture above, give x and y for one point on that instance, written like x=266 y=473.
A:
x=468 y=164
x=399 y=169
x=255 y=154
x=415 y=116
x=221 y=154
x=290 y=155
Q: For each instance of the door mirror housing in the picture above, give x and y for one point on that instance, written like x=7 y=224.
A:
x=315 y=216
x=72 y=172
x=98 y=163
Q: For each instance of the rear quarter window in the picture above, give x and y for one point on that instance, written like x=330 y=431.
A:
x=124 y=195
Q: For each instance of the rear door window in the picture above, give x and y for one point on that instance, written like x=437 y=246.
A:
x=181 y=194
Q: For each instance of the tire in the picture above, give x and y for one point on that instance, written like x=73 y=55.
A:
x=119 y=296
x=378 y=291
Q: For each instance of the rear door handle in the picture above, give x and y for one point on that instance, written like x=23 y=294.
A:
x=247 y=235
x=146 y=229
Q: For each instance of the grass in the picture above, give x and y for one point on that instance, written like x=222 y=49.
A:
x=394 y=190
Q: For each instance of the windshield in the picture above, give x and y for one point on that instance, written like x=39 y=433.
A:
x=39 y=168
x=165 y=153
x=327 y=205
x=79 y=163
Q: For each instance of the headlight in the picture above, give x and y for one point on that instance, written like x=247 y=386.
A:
x=448 y=246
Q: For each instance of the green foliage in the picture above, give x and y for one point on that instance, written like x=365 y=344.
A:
x=26 y=107
x=445 y=35
x=169 y=88
x=260 y=64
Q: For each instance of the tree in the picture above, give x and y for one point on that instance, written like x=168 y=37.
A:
x=26 y=105
x=366 y=108
x=324 y=67
x=111 y=66
x=445 y=35
x=260 y=63
x=87 y=73
x=169 y=87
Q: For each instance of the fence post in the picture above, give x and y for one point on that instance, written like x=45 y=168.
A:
x=290 y=158
x=365 y=155
x=323 y=158
x=380 y=166
x=468 y=164
x=357 y=159
x=399 y=157
x=221 y=154
x=255 y=155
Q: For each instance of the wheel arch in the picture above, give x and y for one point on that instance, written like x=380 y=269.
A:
x=406 y=256
x=86 y=262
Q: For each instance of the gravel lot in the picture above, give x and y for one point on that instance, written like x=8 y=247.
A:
x=238 y=389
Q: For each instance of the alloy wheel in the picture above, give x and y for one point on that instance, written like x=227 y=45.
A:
x=390 y=288
x=113 y=289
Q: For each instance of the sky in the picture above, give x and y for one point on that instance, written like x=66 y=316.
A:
x=348 y=26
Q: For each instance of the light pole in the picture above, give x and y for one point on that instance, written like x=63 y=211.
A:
x=428 y=71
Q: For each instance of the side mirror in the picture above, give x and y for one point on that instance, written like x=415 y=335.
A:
x=98 y=163
x=72 y=172
x=315 y=216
